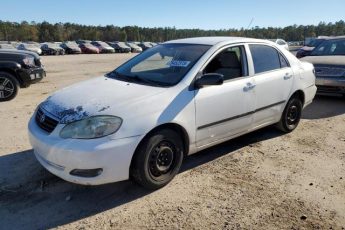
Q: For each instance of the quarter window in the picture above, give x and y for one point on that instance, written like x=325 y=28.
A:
x=266 y=58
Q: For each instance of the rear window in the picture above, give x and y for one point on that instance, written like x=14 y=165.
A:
x=266 y=58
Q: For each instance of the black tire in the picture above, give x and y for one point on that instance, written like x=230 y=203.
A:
x=158 y=159
x=291 y=116
x=8 y=86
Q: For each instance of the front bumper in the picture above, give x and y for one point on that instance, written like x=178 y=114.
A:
x=61 y=156
x=32 y=75
x=331 y=85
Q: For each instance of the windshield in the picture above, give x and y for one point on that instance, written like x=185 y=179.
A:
x=53 y=45
x=103 y=44
x=72 y=45
x=315 y=42
x=162 y=65
x=330 y=47
x=122 y=45
x=88 y=45
x=30 y=46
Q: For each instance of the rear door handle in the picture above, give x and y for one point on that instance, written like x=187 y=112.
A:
x=287 y=76
x=248 y=87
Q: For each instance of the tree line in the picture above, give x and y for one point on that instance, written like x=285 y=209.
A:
x=45 y=31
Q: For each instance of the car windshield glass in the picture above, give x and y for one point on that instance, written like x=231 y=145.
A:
x=52 y=45
x=30 y=46
x=122 y=45
x=72 y=45
x=103 y=44
x=88 y=45
x=330 y=47
x=162 y=65
x=315 y=42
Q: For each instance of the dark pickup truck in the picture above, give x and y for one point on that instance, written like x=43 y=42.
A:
x=18 y=69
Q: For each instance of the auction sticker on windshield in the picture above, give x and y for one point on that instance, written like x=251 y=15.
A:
x=179 y=63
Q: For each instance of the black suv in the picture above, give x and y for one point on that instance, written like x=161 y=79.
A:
x=18 y=69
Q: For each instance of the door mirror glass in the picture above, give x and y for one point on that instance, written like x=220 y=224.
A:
x=209 y=79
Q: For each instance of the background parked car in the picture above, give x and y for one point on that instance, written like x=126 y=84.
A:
x=18 y=69
x=134 y=47
x=103 y=47
x=52 y=49
x=82 y=41
x=153 y=44
x=329 y=62
x=30 y=47
x=280 y=42
x=120 y=47
x=309 y=47
x=6 y=46
x=88 y=48
x=145 y=45
x=71 y=48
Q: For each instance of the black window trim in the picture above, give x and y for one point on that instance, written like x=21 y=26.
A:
x=269 y=71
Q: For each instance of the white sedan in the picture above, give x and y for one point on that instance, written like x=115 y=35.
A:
x=175 y=99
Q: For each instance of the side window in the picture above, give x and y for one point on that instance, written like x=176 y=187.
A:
x=231 y=63
x=265 y=58
x=283 y=62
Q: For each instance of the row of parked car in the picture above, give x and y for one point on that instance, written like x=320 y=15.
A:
x=79 y=46
x=327 y=54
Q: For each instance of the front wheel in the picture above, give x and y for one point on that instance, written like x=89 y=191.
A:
x=8 y=86
x=158 y=159
x=291 y=116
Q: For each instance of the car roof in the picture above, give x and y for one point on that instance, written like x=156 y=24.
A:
x=213 y=40
x=337 y=38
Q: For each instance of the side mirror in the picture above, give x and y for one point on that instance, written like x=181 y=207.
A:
x=209 y=79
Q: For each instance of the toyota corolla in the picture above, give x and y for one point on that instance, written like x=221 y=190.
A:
x=175 y=99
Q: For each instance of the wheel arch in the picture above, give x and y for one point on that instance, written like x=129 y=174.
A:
x=299 y=94
x=173 y=126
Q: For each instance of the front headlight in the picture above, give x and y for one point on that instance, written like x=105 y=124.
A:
x=91 y=127
x=29 y=61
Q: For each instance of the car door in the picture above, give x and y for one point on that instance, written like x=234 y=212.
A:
x=223 y=111
x=273 y=79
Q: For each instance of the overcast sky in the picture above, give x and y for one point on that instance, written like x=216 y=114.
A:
x=203 y=14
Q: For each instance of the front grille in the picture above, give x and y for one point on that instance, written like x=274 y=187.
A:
x=45 y=122
x=329 y=71
x=330 y=89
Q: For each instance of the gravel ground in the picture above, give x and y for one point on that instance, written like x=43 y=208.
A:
x=263 y=180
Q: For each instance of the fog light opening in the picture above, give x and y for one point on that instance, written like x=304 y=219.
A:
x=86 y=172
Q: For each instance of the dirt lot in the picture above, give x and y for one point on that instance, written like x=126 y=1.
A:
x=264 y=180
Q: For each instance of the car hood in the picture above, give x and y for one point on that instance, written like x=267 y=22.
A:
x=98 y=96
x=325 y=60
x=21 y=52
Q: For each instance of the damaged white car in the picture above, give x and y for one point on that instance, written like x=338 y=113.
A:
x=175 y=99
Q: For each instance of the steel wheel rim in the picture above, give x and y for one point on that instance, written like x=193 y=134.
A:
x=162 y=160
x=6 y=87
x=293 y=115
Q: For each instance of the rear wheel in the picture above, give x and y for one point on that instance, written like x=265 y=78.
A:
x=291 y=115
x=158 y=159
x=8 y=86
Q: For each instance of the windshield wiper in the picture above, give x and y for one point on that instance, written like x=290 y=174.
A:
x=136 y=78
